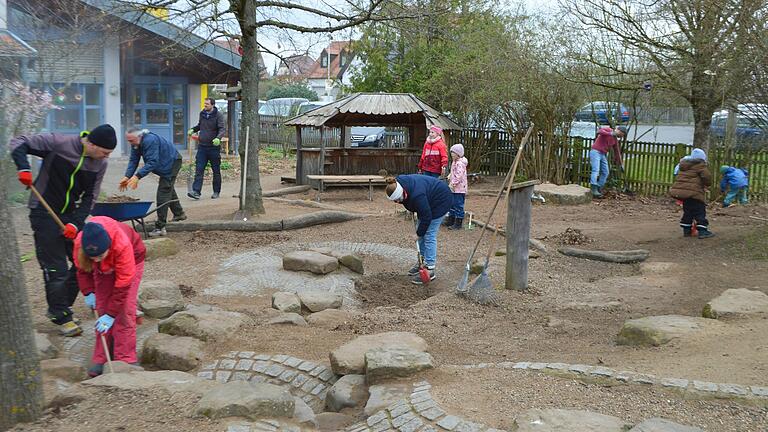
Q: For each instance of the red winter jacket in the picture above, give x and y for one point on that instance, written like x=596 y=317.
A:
x=434 y=157
x=127 y=250
x=606 y=141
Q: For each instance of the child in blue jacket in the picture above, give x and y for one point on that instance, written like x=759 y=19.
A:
x=738 y=180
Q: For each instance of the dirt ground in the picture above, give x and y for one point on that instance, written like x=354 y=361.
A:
x=571 y=313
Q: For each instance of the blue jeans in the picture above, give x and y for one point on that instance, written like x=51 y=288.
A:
x=204 y=155
x=457 y=210
x=428 y=243
x=732 y=194
x=600 y=168
x=431 y=174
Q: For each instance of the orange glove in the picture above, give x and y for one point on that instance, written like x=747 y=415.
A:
x=133 y=183
x=70 y=231
x=123 y=185
x=25 y=177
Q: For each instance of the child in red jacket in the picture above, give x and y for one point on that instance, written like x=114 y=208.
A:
x=434 y=156
x=109 y=257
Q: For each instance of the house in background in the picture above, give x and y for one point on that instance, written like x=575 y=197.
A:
x=332 y=70
x=295 y=68
x=104 y=64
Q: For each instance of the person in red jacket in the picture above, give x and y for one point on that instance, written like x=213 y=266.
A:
x=109 y=257
x=434 y=157
x=607 y=139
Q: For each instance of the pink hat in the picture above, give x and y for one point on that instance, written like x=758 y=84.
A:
x=458 y=149
x=436 y=129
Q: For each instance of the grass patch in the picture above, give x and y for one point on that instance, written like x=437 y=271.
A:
x=752 y=246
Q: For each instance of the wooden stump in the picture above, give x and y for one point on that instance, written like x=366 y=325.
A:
x=518 y=232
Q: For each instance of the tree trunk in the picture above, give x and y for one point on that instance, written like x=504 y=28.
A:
x=21 y=394
x=249 y=79
x=703 y=104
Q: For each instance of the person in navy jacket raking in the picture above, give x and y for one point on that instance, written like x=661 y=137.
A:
x=431 y=199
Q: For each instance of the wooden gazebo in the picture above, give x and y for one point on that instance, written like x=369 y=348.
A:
x=365 y=109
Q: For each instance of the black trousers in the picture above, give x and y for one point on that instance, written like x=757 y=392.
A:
x=166 y=191
x=54 y=254
x=694 y=210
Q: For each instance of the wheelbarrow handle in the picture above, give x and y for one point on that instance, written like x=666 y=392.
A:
x=160 y=206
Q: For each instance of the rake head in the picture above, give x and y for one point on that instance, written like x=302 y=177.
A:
x=482 y=292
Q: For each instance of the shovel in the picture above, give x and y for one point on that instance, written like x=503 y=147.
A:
x=423 y=271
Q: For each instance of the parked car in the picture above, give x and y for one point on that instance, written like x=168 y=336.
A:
x=281 y=107
x=602 y=112
x=309 y=106
x=751 y=126
x=367 y=136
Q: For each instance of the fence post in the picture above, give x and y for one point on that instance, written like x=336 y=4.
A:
x=494 y=148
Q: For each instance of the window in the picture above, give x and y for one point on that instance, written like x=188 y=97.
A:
x=78 y=107
x=324 y=60
x=342 y=59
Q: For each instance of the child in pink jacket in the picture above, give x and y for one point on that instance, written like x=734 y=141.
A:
x=457 y=182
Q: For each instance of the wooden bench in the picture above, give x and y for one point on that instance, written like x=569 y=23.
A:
x=347 y=180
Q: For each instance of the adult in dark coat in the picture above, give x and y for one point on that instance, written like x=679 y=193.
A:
x=210 y=129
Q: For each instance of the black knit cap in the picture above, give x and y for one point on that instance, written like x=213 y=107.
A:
x=103 y=136
x=95 y=240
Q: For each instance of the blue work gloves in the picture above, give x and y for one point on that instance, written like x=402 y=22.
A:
x=90 y=300
x=104 y=323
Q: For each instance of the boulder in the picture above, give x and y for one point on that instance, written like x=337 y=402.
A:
x=118 y=366
x=288 y=318
x=330 y=318
x=331 y=421
x=658 y=330
x=384 y=395
x=160 y=247
x=246 y=399
x=352 y=262
x=45 y=349
x=386 y=363
x=171 y=381
x=570 y=194
x=59 y=393
x=160 y=298
x=739 y=302
x=302 y=413
x=314 y=262
x=64 y=369
x=661 y=425
x=286 y=302
x=202 y=325
x=172 y=352
x=350 y=358
x=348 y=392
x=317 y=301
x=560 y=420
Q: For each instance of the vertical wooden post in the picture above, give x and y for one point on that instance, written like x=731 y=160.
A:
x=322 y=152
x=518 y=234
x=299 y=161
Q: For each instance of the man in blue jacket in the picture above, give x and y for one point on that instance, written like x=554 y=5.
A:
x=738 y=181
x=210 y=129
x=161 y=158
x=431 y=199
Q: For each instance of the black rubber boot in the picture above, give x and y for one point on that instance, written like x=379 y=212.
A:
x=705 y=233
x=458 y=224
x=686 y=232
x=595 y=192
x=448 y=221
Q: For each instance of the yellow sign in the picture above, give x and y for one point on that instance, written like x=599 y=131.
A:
x=161 y=13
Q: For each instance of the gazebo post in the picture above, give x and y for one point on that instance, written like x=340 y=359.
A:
x=343 y=137
x=298 y=155
x=322 y=152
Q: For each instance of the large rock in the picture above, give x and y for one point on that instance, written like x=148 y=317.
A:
x=658 y=330
x=348 y=392
x=119 y=366
x=302 y=413
x=64 y=369
x=333 y=422
x=172 y=352
x=570 y=194
x=737 y=302
x=350 y=357
x=286 y=302
x=288 y=318
x=317 y=301
x=160 y=298
x=45 y=349
x=160 y=247
x=661 y=425
x=245 y=399
x=330 y=318
x=559 y=420
x=310 y=261
x=58 y=393
x=386 y=363
x=384 y=395
x=172 y=381
x=202 y=325
x=348 y=260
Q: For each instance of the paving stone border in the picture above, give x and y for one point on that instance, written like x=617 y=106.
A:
x=418 y=412
x=589 y=372
x=307 y=380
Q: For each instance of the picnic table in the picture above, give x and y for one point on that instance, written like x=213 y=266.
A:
x=347 y=180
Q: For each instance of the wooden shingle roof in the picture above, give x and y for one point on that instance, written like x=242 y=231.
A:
x=12 y=46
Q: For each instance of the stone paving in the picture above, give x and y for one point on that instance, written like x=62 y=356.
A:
x=307 y=380
x=588 y=372
x=80 y=348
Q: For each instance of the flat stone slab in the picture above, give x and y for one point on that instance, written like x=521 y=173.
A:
x=570 y=194
x=386 y=363
x=172 y=352
x=348 y=392
x=350 y=357
x=330 y=318
x=202 y=325
x=172 y=381
x=739 y=302
x=348 y=260
x=659 y=330
x=384 y=395
x=560 y=420
x=317 y=301
x=661 y=425
x=289 y=318
x=64 y=369
x=245 y=399
x=160 y=298
x=160 y=247
x=286 y=302
x=314 y=262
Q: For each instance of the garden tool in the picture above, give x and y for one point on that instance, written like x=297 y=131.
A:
x=423 y=271
x=694 y=230
x=104 y=345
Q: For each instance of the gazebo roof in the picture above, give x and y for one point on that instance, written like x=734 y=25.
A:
x=374 y=108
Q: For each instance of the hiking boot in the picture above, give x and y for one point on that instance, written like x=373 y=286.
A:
x=194 y=195
x=157 y=232
x=70 y=329
x=449 y=220
x=95 y=370
x=417 y=277
x=215 y=195
x=413 y=270
x=705 y=233
x=179 y=218
x=595 y=191
x=458 y=224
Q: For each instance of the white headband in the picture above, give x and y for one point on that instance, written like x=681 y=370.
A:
x=397 y=194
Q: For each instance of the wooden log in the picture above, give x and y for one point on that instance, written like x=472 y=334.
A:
x=519 y=226
x=290 y=223
x=287 y=191
x=621 y=257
